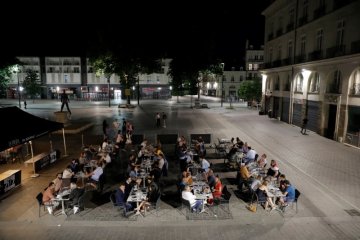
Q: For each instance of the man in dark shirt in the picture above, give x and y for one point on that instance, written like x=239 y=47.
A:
x=65 y=101
x=120 y=198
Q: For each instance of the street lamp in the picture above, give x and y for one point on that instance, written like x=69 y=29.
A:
x=138 y=90
x=222 y=82
x=16 y=70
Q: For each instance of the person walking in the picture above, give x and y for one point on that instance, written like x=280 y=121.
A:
x=158 y=124
x=65 y=101
x=164 y=119
x=303 y=126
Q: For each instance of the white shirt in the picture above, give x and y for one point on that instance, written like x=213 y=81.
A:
x=255 y=184
x=205 y=165
x=189 y=196
x=97 y=172
x=251 y=154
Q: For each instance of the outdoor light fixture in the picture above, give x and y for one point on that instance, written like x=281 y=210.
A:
x=96 y=88
x=215 y=85
x=16 y=70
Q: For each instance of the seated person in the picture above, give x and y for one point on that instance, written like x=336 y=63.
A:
x=262 y=162
x=94 y=176
x=250 y=155
x=256 y=183
x=153 y=193
x=211 y=179
x=263 y=196
x=120 y=199
x=156 y=172
x=243 y=176
x=282 y=179
x=77 y=191
x=217 y=192
x=273 y=171
x=289 y=194
x=49 y=198
x=205 y=165
x=67 y=173
x=74 y=165
x=58 y=182
x=195 y=204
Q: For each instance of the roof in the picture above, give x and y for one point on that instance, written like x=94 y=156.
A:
x=18 y=127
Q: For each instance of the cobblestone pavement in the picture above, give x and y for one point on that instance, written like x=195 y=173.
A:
x=326 y=172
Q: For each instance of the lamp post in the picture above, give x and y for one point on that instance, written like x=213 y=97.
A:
x=108 y=76
x=16 y=70
x=222 y=82
x=138 y=90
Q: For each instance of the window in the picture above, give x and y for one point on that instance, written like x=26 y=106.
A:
x=270 y=55
x=250 y=75
x=90 y=70
x=256 y=66
x=279 y=52
x=334 y=85
x=148 y=79
x=356 y=83
x=157 y=79
x=314 y=83
x=232 y=78
x=291 y=16
x=241 y=78
x=305 y=9
x=76 y=70
x=287 y=84
x=290 y=49
x=340 y=33
x=250 y=66
x=277 y=83
x=303 y=45
x=319 y=39
x=299 y=83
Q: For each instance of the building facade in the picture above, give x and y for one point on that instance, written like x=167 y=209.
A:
x=312 y=66
x=78 y=78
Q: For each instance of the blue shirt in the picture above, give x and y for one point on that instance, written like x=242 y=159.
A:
x=290 y=193
x=120 y=197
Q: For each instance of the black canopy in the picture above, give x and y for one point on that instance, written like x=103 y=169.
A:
x=18 y=127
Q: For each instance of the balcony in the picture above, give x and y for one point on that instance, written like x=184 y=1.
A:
x=336 y=51
x=286 y=61
x=279 y=32
x=315 y=55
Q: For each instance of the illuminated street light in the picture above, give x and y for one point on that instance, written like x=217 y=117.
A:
x=16 y=70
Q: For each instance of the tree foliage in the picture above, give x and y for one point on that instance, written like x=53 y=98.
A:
x=32 y=83
x=250 y=90
x=126 y=67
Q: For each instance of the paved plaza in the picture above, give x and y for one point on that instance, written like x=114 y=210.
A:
x=326 y=173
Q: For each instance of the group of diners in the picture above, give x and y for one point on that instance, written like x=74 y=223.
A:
x=143 y=184
x=270 y=186
x=197 y=184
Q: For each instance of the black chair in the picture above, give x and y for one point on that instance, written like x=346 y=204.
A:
x=155 y=206
x=225 y=199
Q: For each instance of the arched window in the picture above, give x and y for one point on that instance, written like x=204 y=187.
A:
x=314 y=86
x=334 y=84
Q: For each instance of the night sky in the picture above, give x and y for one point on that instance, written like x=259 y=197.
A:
x=170 y=28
